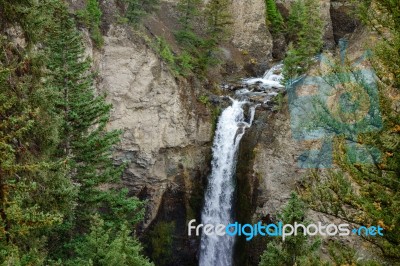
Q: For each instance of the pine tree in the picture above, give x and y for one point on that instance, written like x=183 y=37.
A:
x=56 y=164
x=296 y=19
x=91 y=18
x=292 y=62
x=218 y=18
x=274 y=19
x=105 y=246
x=35 y=194
x=84 y=140
x=197 y=50
x=188 y=13
x=295 y=250
x=137 y=9
x=305 y=28
x=32 y=185
x=377 y=199
x=189 y=10
x=200 y=46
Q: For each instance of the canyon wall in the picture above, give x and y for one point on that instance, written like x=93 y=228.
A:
x=249 y=32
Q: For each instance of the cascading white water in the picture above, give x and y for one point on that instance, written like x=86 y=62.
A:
x=271 y=78
x=218 y=250
x=271 y=75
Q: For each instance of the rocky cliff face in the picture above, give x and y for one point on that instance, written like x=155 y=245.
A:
x=249 y=31
x=344 y=22
x=267 y=174
x=275 y=152
x=166 y=132
x=156 y=115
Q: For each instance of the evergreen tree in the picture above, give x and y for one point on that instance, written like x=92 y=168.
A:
x=297 y=19
x=56 y=166
x=305 y=28
x=218 y=18
x=186 y=36
x=189 y=10
x=198 y=51
x=91 y=17
x=109 y=247
x=274 y=19
x=84 y=140
x=137 y=9
x=295 y=250
x=376 y=201
x=35 y=194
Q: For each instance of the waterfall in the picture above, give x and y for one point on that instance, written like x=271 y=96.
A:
x=218 y=250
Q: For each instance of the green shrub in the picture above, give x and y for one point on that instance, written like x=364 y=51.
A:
x=185 y=63
x=165 y=51
x=161 y=242
x=137 y=9
x=182 y=64
x=279 y=101
x=204 y=99
x=91 y=18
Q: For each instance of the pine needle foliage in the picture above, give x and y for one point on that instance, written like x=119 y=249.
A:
x=91 y=18
x=35 y=193
x=189 y=10
x=305 y=29
x=295 y=250
x=368 y=194
x=108 y=246
x=136 y=10
x=218 y=18
x=274 y=19
x=85 y=142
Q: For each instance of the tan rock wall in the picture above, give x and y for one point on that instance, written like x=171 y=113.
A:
x=249 y=31
x=160 y=132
